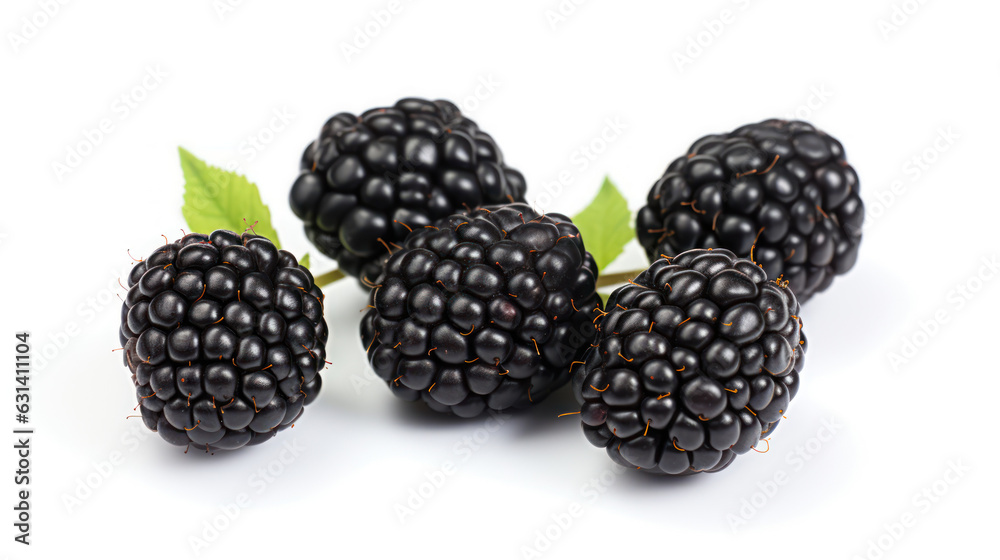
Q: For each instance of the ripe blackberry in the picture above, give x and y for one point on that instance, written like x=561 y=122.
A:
x=483 y=311
x=224 y=335
x=696 y=361
x=782 y=185
x=412 y=163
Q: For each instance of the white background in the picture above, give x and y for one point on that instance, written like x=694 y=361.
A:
x=922 y=83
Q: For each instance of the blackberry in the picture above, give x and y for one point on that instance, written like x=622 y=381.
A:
x=696 y=361
x=368 y=179
x=224 y=335
x=485 y=310
x=779 y=189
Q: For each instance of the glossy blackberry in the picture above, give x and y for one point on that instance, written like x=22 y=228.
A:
x=224 y=335
x=368 y=179
x=483 y=311
x=696 y=361
x=779 y=188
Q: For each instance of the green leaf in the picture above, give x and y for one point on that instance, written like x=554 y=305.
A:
x=304 y=261
x=604 y=225
x=218 y=199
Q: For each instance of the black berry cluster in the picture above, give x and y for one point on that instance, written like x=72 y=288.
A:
x=368 y=179
x=485 y=310
x=696 y=361
x=781 y=189
x=225 y=337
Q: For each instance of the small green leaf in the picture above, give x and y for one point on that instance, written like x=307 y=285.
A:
x=604 y=225
x=218 y=199
x=304 y=261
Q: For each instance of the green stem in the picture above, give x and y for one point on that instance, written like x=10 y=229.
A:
x=617 y=278
x=328 y=278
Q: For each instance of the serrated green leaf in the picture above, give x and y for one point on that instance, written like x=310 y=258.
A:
x=218 y=199
x=304 y=261
x=604 y=225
